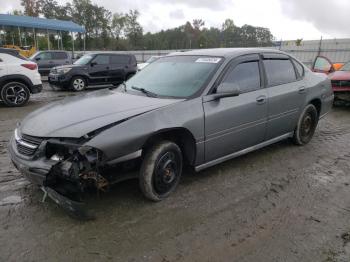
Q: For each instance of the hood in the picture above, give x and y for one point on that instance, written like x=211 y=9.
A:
x=340 y=75
x=76 y=116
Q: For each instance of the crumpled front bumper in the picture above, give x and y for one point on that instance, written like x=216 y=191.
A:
x=35 y=170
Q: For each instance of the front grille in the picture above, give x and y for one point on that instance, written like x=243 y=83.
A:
x=25 y=140
x=341 y=83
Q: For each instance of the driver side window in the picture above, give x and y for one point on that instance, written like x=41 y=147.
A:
x=245 y=75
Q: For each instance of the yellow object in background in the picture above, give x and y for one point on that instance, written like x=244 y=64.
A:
x=337 y=66
x=25 y=51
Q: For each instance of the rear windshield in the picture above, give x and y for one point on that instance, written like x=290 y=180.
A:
x=175 y=76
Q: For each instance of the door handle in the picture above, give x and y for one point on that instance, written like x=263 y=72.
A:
x=261 y=100
x=302 y=90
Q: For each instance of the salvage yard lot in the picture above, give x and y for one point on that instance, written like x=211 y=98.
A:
x=281 y=203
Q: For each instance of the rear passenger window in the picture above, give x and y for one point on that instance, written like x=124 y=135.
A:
x=120 y=59
x=44 y=56
x=279 y=71
x=245 y=75
x=101 y=60
x=60 y=56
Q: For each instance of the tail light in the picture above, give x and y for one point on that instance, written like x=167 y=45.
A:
x=30 y=66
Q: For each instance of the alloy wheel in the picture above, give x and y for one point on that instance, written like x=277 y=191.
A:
x=16 y=94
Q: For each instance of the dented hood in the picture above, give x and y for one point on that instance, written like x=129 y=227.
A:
x=76 y=116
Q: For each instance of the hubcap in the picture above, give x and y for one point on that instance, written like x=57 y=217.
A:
x=307 y=125
x=16 y=94
x=166 y=172
x=78 y=84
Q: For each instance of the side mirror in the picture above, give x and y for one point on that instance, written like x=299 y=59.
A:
x=37 y=58
x=93 y=64
x=227 y=90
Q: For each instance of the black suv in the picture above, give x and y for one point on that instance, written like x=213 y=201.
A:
x=94 y=69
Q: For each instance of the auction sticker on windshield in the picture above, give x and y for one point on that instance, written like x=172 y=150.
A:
x=212 y=60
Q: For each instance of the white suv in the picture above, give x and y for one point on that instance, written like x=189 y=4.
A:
x=19 y=78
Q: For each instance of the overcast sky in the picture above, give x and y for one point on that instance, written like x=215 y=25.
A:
x=287 y=19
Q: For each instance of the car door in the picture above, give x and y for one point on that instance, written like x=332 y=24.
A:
x=119 y=65
x=235 y=123
x=322 y=65
x=3 y=67
x=99 y=69
x=286 y=92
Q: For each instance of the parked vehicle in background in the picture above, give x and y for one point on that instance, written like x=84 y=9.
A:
x=148 y=61
x=340 y=78
x=198 y=108
x=26 y=51
x=19 y=78
x=46 y=60
x=94 y=69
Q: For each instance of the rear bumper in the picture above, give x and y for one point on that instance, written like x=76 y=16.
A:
x=36 y=89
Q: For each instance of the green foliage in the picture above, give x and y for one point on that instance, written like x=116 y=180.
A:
x=122 y=31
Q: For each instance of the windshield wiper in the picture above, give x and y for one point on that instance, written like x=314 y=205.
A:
x=148 y=93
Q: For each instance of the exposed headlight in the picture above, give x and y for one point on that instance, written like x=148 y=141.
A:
x=57 y=157
x=63 y=70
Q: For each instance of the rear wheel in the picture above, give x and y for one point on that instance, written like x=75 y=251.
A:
x=306 y=126
x=78 y=84
x=15 y=94
x=161 y=170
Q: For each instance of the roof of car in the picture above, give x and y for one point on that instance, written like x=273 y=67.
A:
x=107 y=53
x=228 y=52
x=8 y=51
x=53 y=51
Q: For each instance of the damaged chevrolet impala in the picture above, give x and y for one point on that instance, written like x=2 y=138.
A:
x=196 y=108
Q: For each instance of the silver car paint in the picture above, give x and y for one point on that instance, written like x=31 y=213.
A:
x=221 y=129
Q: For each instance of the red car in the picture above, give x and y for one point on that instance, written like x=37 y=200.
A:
x=340 y=79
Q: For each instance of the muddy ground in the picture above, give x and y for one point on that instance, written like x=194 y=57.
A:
x=281 y=203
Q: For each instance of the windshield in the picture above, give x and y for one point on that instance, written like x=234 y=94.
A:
x=84 y=60
x=174 y=76
x=345 y=67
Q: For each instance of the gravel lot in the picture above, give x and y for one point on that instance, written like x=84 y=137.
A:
x=281 y=203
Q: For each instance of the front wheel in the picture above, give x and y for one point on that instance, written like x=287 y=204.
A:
x=306 y=126
x=161 y=170
x=15 y=94
x=78 y=84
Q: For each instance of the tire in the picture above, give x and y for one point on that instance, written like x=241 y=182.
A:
x=161 y=170
x=306 y=126
x=78 y=84
x=15 y=94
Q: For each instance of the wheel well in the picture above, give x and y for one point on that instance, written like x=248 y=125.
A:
x=181 y=136
x=19 y=80
x=317 y=103
x=82 y=76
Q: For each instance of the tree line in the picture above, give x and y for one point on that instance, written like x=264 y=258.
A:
x=122 y=31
